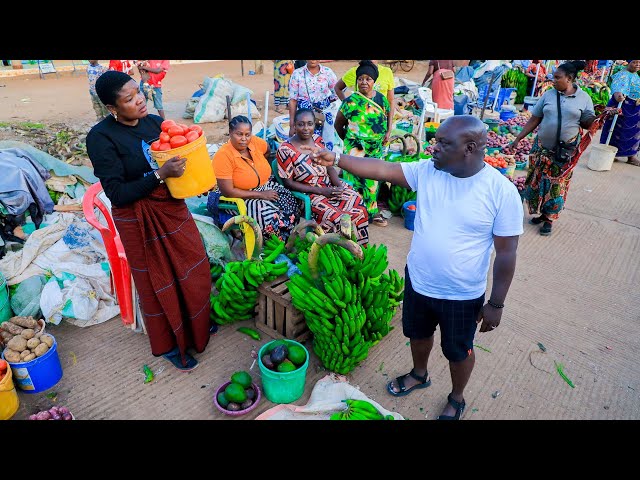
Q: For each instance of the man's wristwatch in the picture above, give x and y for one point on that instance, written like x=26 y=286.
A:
x=336 y=160
x=155 y=172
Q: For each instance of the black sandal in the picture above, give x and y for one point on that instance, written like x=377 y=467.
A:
x=546 y=229
x=537 y=220
x=424 y=383
x=459 y=406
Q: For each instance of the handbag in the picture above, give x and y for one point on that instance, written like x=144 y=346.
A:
x=445 y=74
x=564 y=150
x=317 y=113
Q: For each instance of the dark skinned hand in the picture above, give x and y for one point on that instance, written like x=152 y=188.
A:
x=270 y=195
x=490 y=318
x=174 y=167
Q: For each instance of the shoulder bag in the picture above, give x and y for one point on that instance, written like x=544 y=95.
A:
x=564 y=150
x=444 y=74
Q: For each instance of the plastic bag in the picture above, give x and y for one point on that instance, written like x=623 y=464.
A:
x=76 y=299
x=25 y=302
x=216 y=242
x=213 y=104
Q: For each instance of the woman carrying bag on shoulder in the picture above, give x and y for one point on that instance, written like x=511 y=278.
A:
x=561 y=114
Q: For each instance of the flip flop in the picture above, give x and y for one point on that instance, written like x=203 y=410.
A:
x=174 y=357
x=403 y=389
x=380 y=221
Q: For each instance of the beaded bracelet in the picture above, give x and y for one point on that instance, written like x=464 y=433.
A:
x=495 y=305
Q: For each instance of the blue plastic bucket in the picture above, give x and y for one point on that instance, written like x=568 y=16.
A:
x=409 y=215
x=283 y=387
x=5 y=306
x=506 y=115
x=39 y=374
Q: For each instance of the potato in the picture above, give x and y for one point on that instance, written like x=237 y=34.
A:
x=12 y=328
x=33 y=343
x=29 y=357
x=26 y=322
x=38 y=335
x=24 y=353
x=6 y=336
x=47 y=339
x=41 y=349
x=28 y=333
x=12 y=356
x=17 y=343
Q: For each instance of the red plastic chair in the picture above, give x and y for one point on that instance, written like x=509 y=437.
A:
x=120 y=272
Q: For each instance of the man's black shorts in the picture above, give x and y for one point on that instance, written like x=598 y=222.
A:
x=457 y=320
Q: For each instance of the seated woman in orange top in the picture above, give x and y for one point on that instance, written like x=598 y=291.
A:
x=243 y=171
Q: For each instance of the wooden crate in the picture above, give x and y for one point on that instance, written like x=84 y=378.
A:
x=276 y=316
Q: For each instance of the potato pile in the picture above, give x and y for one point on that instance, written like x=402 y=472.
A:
x=24 y=339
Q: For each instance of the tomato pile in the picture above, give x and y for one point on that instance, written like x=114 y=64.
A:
x=175 y=135
x=496 y=161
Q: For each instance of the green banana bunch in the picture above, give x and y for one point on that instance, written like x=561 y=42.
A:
x=216 y=270
x=272 y=248
x=359 y=410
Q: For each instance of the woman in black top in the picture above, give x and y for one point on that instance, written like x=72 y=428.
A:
x=168 y=261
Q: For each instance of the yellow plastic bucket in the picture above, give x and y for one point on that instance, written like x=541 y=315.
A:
x=198 y=177
x=9 y=401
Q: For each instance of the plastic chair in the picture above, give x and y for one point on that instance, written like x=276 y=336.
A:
x=120 y=272
x=302 y=196
x=238 y=205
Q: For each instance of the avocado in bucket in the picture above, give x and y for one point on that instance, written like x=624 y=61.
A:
x=286 y=366
x=297 y=354
x=222 y=400
x=279 y=354
x=242 y=377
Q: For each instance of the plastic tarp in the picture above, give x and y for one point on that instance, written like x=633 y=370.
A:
x=325 y=400
x=51 y=163
x=73 y=253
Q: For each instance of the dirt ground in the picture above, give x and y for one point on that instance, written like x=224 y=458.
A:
x=574 y=293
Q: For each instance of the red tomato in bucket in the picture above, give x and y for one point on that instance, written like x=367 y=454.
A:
x=164 y=126
x=164 y=146
x=175 y=130
x=196 y=128
x=191 y=136
x=411 y=207
x=155 y=146
x=178 y=141
x=164 y=137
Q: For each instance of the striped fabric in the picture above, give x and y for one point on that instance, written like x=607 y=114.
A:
x=170 y=270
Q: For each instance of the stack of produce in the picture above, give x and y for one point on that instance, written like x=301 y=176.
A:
x=518 y=182
x=284 y=356
x=360 y=410
x=54 y=413
x=175 y=135
x=237 y=286
x=516 y=79
x=24 y=339
x=521 y=152
x=239 y=394
x=347 y=301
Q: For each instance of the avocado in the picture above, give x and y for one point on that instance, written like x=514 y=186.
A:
x=266 y=361
x=234 y=407
x=278 y=354
x=251 y=393
x=222 y=400
x=246 y=404
x=286 y=366
x=235 y=393
x=297 y=354
x=243 y=378
x=275 y=344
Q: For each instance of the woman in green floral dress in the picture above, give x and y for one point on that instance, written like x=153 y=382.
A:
x=362 y=124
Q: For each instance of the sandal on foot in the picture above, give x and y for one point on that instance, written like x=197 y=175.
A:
x=546 y=229
x=174 y=357
x=424 y=383
x=459 y=406
x=537 y=220
x=634 y=161
x=380 y=221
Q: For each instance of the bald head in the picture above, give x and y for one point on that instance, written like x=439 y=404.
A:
x=468 y=128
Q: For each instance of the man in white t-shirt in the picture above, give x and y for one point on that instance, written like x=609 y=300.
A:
x=464 y=209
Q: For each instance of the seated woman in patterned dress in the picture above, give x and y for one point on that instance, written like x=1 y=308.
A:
x=330 y=197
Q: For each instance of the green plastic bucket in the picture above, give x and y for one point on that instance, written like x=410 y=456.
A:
x=5 y=306
x=283 y=387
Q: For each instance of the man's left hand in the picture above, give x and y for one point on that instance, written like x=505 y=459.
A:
x=490 y=318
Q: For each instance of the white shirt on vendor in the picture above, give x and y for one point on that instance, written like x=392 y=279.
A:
x=455 y=221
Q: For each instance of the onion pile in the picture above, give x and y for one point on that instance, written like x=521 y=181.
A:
x=54 y=413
